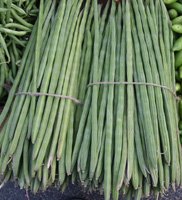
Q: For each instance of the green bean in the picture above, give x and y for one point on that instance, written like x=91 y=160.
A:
x=2 y=134
x=130 y=92
x=139 y=191
x=19 y=151
x=78 y=163
x=33 y=12
x=45 y=176
x=20 y=20
x=83 y=59
x=100 y=163
x=120 y=100
x=84 y=150
x=103 y=18
x=17 y=26
x=18 y=9
x=25 y=161
x=65 y=184
x=2 y=10
x=135 y=174
x=4 y=46
x=139 y=150
x=103 y=60
x=53 y=170
x=69 y=143
x=74 y=177
x=21 y=180
x=31 y=164
x=84 y=175
x=5 y=160
x=95 y=89
x=109 y=108
x=147 y=188
x=39 y=40
x=44 y=56
x=17 y=41
x=30 y=5
x=154 y=15
x=36 y=185
x=5 y=142
x=61 y=168
x=9 y=31
x=123 y=162
x=3 y=70
x=16 y=54
x=40 y=174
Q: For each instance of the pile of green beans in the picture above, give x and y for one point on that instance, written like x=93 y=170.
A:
x=114 y=137
x=175 y=13
x=16 y=22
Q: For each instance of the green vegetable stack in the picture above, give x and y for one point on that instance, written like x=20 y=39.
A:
x=16 y=22
x=175 y=13
x=94 y=101
x=52 y=64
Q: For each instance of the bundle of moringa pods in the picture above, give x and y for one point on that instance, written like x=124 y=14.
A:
x=94 y=101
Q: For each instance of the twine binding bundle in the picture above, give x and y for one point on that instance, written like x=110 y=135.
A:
x=77 y=101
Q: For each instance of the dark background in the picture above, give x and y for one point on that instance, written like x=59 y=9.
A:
x=11 y=192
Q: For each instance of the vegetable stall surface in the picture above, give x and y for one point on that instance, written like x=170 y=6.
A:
x=94 y=100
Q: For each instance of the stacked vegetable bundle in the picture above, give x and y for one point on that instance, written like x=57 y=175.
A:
x=95 y=101
x=36 y=127
x=128 y=137
x=16 y=22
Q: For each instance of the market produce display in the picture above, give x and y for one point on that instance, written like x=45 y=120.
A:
x=16 y=21
x=94 y=99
